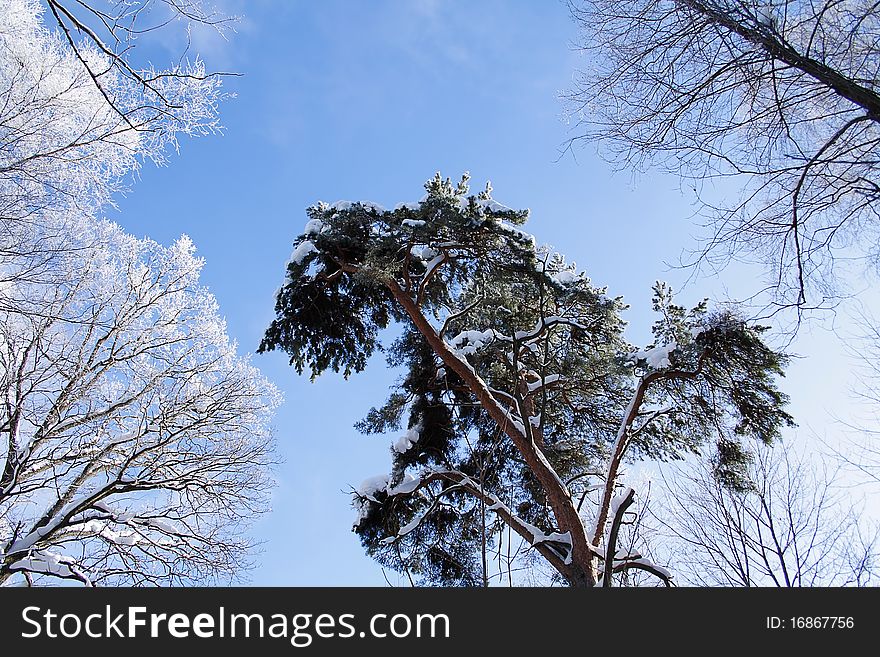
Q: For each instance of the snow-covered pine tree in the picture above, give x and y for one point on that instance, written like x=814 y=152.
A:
x=520 y=398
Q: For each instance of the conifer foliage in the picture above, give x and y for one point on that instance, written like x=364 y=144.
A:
x=520 y=397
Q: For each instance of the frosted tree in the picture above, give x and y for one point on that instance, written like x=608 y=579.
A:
x=777 y=98
x=76 y=116
x=69 y=99
x=135 y=443
x=520 y=400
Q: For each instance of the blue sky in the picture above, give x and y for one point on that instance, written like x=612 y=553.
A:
x=365 y=101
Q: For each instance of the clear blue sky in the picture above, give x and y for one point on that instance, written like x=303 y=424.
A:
x=365 y=101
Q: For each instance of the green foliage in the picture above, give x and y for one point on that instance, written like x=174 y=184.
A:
x=331 y=320
x=732 y=394
x=543 y=339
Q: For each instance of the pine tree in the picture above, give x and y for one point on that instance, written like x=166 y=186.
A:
x=520 y=397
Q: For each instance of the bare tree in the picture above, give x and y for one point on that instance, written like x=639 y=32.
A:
x=793 y=527
x=135 y=443
x=858 y=444
x=779 y=95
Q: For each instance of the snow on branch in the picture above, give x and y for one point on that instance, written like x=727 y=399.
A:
x=405 y=442
x=641 y=563
x=467 y=343
x=44 y=562
x=543 y=382
x=615 y=563
x=128 y=394
x=655 y=358
x=302 y=251
x=560 y=544
x=543 y=324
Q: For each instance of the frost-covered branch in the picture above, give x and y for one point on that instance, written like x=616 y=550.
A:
x=76 y=119
x=138 y=442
